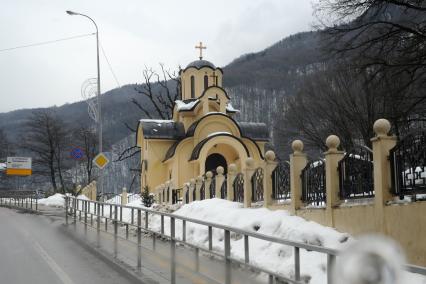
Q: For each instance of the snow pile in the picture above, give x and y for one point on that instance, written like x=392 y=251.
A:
x=277 y=223
x=56 y=200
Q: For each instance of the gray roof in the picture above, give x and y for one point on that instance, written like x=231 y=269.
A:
x=162 y=129
x=254 y=130
x=201 y=63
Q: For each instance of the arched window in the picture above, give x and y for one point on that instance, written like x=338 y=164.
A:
x=206 y=82
x=192 y=87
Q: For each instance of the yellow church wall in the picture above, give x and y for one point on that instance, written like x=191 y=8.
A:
x=181 y=162
x=215 y=123
x=199 y=80
x=218 y=140
x=157 y=170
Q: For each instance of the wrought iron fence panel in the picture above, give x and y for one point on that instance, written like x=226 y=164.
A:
x=176 y=195
x=281 y=182
x=187 y=196
x=356 y=174
x=257 y=185
x=238 y=187
x=313 y=183
x=193 y=193
x=203 y=191
x=224 y=189
x=408 y=164
x=213 y=188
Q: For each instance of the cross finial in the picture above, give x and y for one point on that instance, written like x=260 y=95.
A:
x=201 y=47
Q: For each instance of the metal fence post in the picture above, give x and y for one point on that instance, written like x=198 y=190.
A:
x=227 y=257
x=297 y=263
x=184 y=230
x=331 y=259
x=146 y=220
x=246 y=249
x=139 y=240
x=162 y=225
x=210 y=238
x=66 y=210
x=172 y=250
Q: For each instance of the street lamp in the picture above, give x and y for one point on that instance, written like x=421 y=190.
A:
x=71 y=13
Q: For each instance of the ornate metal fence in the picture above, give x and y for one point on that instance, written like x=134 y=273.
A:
x=281 y=182
x=408 y=165
x=213 y=188
x=193 y=193
x=238 y=187
x=187 y=196
x=257 y=185
x=356 y=174
x=176 y=195
x=203 y=191
x=313 y=183
x=224 y=189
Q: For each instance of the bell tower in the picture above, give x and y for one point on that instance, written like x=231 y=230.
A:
x=198 y=76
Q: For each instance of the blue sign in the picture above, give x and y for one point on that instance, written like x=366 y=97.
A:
x=77 y=153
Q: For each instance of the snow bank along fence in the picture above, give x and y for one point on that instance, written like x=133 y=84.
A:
x=356 y=191
x=91 y=212
x=26 y=199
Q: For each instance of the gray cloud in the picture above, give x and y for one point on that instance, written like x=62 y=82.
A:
x=133 y=33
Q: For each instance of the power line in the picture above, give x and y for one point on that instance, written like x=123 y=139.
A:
x=109 y=65
x=45 y=42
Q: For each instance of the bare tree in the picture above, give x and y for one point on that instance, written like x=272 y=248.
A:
x=343 y=101
x=162 y=89
x=46 y=138
x=385 y=37
x=5 y=145
x=86 y=138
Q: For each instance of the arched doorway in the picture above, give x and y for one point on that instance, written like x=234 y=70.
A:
x=215 y=160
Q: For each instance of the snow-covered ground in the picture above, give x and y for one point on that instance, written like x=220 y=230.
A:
x=278 y=223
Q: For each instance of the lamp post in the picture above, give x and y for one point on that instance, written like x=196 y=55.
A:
x=71 y=13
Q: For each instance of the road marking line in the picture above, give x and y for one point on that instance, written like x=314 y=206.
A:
x=53 y=265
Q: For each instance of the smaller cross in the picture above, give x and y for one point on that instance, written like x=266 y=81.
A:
x=201 y=47
x=214 y=76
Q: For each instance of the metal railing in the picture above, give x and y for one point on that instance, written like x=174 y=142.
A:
x=113 y=213
x=26 y=199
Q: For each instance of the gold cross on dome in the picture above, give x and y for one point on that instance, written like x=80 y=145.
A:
x=201 y=47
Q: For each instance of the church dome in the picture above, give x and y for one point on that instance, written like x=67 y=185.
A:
x=201 y=63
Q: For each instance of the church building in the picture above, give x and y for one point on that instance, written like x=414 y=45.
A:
x=202 y=134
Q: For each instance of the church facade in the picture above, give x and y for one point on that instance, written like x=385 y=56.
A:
x=202 y=135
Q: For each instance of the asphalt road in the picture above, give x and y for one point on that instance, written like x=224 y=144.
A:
x=39 y=248
x=36 y=249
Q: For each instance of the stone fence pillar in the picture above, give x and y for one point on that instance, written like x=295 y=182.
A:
x=124 y=197
x=332 y=158
x=232 y=173
x=157 y=195
x=185 y=189
x=191 y=189
x=198 y=184
x=207 y=184
x=382 y=144
x=298 y=162
x=269 y=167
x=220 y=178
x=248 y=173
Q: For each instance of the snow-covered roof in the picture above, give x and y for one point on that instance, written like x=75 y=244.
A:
x=162 y=129
x=186 y=105
x=230 y=108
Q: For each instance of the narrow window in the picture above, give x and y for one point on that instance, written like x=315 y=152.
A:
x=206 y=82
x=192 y=87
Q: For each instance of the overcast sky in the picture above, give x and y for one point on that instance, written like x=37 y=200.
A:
x=134 y=34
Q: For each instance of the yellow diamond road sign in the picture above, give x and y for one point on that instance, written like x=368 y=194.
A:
x=101 y=161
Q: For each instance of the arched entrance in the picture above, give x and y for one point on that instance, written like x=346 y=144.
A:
x=215 y=160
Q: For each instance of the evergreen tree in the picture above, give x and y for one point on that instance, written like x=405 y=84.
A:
x=147 y=198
